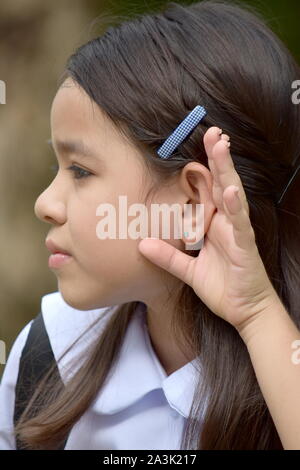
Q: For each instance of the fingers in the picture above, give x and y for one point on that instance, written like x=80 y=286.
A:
x=169 y=258
x=211 y=137
x=222 y=167
x=242 y=229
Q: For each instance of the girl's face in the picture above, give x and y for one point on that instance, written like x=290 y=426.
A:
x=102 y=272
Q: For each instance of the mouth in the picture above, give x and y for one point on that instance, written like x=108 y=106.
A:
x=59 y=256
x=57 y=260
x=55 y=249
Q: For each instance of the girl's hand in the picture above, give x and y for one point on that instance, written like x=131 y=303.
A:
x=228 y=275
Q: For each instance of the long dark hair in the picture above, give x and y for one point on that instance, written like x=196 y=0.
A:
x=146 y=74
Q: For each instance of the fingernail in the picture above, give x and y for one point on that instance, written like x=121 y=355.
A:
x=220 y=131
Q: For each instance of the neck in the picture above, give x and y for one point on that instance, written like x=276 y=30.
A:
x=162 y=340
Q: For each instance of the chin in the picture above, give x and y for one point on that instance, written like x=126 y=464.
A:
x=74 y=300
x=83 y=302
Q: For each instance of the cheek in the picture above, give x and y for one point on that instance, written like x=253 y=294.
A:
x=101 y=256
x=113 y=260
x=113 y=269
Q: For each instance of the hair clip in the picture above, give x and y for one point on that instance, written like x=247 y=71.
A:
x=181 y=132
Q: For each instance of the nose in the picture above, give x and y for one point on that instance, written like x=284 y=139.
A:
x=50 y=209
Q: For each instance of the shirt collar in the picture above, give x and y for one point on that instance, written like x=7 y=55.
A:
x=138 y=371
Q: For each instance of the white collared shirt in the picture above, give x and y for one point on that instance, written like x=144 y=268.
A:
x=138 y=407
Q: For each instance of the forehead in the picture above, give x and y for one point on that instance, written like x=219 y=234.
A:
x=73 y=112
x=76 y=117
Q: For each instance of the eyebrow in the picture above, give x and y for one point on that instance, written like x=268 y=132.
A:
x=77 y=147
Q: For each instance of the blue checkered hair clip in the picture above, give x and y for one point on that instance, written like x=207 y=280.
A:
x=181 y=132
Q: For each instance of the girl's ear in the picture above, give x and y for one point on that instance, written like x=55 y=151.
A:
x=196 y=182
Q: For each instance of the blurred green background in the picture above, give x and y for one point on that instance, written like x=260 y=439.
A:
x=36 y=38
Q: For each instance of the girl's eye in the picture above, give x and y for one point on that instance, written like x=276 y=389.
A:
x=78 y=173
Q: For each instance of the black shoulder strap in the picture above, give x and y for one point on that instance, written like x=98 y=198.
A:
x=36 y=359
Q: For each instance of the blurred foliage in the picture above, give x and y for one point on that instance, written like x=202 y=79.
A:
x=36 y=38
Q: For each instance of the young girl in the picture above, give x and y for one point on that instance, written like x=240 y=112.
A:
x=159 y=346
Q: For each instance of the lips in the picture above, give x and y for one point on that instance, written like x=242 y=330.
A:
x=53 y=248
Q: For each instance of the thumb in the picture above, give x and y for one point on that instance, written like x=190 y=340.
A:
x=169 y=258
